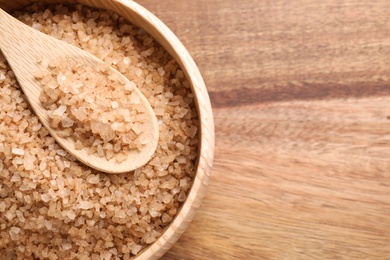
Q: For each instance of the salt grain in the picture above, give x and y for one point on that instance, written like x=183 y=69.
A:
x=93 y=179
x=29 y=161
x=106 y=256
x=48 y=225
x=85 y=205
x=114 y=104
x=16 y=178
x=20 y=216
x=17 y=151
x=61 y=77
x=120 y=214
x=2 y=206
x=67 y=122
x=14 y=233
x=45 y=197
x=90 y=222
x=126 y=61
x=66 y=246
x=59 y=111
x=161 y=71
x=153 y=213
x=148 y=52
x=9 y=215
x=130 y=86
x=136 y=249
x=138 y=72
x=17 y=161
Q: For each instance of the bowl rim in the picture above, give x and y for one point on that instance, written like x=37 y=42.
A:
x=160 y=32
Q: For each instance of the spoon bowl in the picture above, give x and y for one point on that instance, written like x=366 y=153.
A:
x=24 y=46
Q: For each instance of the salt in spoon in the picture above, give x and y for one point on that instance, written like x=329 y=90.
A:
x=23 y=46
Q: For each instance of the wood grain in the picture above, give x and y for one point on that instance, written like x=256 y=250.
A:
x=301 y=97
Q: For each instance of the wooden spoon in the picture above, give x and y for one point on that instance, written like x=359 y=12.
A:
x=23 y=46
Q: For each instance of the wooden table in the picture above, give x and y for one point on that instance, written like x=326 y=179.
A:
x=301 y=97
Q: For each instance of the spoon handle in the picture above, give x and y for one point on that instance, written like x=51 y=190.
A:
x=13 y=31
x=23 y=45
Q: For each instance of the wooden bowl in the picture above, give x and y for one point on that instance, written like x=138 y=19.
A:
x=139 y=16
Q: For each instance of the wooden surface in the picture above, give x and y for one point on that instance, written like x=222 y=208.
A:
x=301 y=97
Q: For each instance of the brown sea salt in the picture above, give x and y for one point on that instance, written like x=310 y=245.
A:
x=94 y=106
x=55 y=208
